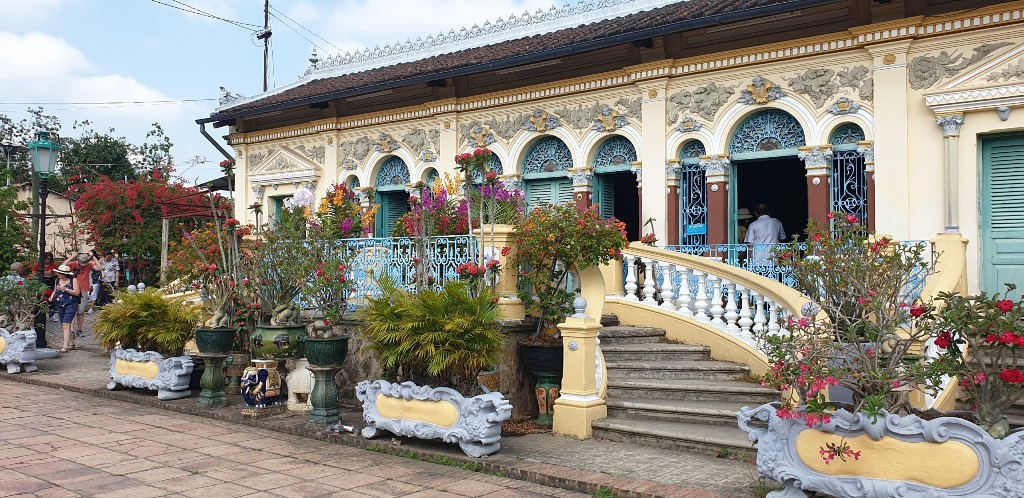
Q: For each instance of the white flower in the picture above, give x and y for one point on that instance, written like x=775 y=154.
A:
x=303 y=198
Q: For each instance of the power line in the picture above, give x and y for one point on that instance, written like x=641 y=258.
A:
x=176 y=101
x=193 y=10
x=303 y=27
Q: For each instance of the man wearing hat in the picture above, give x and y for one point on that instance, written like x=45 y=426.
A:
x=110 y=275
x=83 y=265
x=743 y=217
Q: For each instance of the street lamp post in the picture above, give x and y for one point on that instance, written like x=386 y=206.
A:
x=43 y=153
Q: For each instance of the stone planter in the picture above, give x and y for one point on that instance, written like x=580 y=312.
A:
x=434 y=412
x=899 y=456
x=18 y=351
x=326 y=351
x=215 y=341
x=169 y=377
x=277 y=341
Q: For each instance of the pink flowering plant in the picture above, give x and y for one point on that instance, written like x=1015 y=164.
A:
x=980 y=340
x=858 y=334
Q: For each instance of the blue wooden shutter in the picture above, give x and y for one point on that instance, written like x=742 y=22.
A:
x=606 y=197
x=392 y=206
x=1002 y=223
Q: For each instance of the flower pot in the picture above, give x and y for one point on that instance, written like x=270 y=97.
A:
x=215 y=341
x=542 y=359
x=896 y=455
x=235 y=365
x=277 y=341
x=326 y=351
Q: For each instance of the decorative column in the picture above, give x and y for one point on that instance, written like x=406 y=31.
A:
x=866 y=148
x=578 y=403
x=636 y=167
x=582 y=186
x=716 y=173
x=212 y=381
x=672 y=169
x=324 y=396
x=950 y=136
x=818 y=163
x=891 y=93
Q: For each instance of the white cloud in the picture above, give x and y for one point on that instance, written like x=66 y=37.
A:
x=37 y=63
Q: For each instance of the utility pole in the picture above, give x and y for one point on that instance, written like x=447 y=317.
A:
x=265 y=36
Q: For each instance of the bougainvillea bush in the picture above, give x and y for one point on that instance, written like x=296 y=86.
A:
x=980 y=340
x=555 y=240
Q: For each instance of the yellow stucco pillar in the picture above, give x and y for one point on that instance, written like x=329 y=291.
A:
x=891 y=147
x=494 y=244
x=578 y=403
x=448 y=126
x=652 y=153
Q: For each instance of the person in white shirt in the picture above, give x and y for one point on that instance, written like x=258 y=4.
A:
x=762 y=233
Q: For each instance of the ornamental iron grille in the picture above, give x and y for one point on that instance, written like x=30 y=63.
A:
x=616 y=153
x=767 y=131
x=849 y=184
x=353 y=182
x=493 y=164
x=847 y=134
x=393 y=172
x=693 y=203
x=547 y=155
x=432 y=177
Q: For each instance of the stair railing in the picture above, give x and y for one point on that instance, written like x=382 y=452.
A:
x=949 y=275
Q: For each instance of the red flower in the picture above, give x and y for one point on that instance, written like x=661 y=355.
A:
x=992 y=338
x=1012 y=376
x=1005 y=305
x=943 y=340
x=916 y=310
x=1008 y=338
x=851 y=219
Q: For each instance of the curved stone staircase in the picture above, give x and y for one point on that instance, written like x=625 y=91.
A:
x=674 y=395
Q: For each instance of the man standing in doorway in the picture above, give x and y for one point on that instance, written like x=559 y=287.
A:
x=763 y=233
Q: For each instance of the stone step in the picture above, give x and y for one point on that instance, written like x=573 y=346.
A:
x=631 y=335
x=719 y=413
x=657 y=351
x=714 y=440
x=609 y=320
x=687 y=369
x=692 y=389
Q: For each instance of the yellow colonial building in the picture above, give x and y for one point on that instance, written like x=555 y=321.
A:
x=677 y=117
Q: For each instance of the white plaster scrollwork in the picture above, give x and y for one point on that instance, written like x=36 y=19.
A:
x=672 y=169
x=385 y=143
x=716 y=168
x=950 y=124
x=637 y=169
x=172 y=378
x=688 y=124
x=761 y=91
x=349 y=164
x=817 y=160
x=512 y=182
x=844 y=105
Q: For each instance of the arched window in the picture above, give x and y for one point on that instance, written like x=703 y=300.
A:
x=767 y=131
x=352 y=183
x=693 y=203
x=393 y=172
x=846 y=134
x=547 y=155
x=615 y=154
x=432 y=177
x=849 y=180
x=692 y=150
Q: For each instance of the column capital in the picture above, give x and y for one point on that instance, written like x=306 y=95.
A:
x=636 y=167
x=512 y=181
x=257 y=192
x=582 y=178
x=817 y=159
x=866 y=148
x=672 y=169
x=950 y=124
x=716 y=167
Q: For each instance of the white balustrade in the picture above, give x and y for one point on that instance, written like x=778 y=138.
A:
x=700 y=307
x=649 y=282
x=731 y=315
x=745 y=321
x=667 y=296
x=759 y=315
x=684 y=291
x=630 y=264
x=716 y=302
x=773 y=317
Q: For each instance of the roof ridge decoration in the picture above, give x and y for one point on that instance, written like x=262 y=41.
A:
x=525 y=25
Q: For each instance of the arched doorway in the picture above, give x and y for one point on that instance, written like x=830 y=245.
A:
x=693 y=198
x=615 y=189
x=391 y=195
x=849 y=179
x=766 y=169
x=545 y=177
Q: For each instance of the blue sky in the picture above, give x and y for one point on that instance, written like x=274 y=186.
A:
x=63 y=54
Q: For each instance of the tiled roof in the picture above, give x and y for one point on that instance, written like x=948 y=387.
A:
x=447 y=65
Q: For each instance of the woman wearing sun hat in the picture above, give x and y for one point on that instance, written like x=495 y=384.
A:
x=65 y=297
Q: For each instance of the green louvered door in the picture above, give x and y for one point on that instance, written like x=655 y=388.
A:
x=605 y=197
x=1002 y=212
x=392 y=206
x=550 y=191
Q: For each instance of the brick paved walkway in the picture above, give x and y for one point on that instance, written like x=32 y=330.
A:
x=584 y=466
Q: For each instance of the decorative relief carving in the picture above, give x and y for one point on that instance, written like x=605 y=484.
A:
x=579 y=117
x=817 y=160
x=416 y=140
x=257 y=158
x=540 y=121
x=856 y=78
x=716 y=168
x=506 y=127
x=385 y=143
x=358 y=148
x=817 y=84
x=927 y=70
x=349 y=164
x=844 y=105
x=477 y=134
x=581 y=177
x=761 y=91
x=1013 y=71
x=608 y=119
x=889 y=59
x=428 y=156
x=705 y=101
x=315 y=153
x=630 y=108
x=688 y=124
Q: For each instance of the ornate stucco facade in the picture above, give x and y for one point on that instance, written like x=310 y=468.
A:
x=908 y=100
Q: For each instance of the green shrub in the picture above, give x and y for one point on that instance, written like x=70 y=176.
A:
x=146 y=322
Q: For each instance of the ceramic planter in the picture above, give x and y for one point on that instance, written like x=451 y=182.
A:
x=169 y=377
x=900 y=456
x=545 y=362
x=434 y=412
x=277 y=341
x=326 y=351
x=216 y=340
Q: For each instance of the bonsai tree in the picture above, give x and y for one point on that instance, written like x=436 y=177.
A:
x=18 y=299
x=434 y=337
x=146 y=322
x=330 y=283
x=555 y=240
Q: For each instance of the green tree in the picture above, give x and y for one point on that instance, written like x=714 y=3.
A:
x=14 y=229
